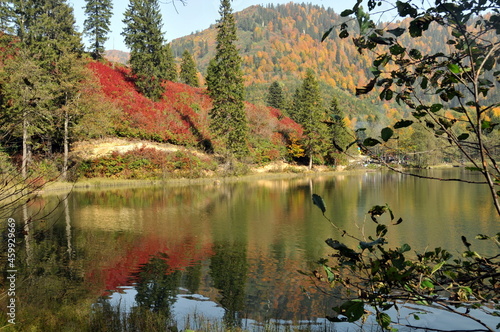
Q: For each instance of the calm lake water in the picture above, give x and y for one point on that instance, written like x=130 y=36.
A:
x=230 y=251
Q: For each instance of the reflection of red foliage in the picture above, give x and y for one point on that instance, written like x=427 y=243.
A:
x=119 y=271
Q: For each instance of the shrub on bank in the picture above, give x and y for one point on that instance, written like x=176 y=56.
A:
x=147 y=163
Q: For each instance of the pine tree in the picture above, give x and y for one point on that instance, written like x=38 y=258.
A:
x=96 y=25
x=275 y=97
x=6 y=16
x=47 y=29
x=189 y=74
x=143 y=35
x=46 y=32
x=309 y=112
x=340 y=135
x=225 y=87
x=171 y=68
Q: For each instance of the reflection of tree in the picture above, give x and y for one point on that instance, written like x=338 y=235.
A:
x=156 y=284
x=228 y=269
x=50 y=283
x=193 y=278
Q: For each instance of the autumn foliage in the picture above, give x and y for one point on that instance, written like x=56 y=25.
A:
x=181 y=115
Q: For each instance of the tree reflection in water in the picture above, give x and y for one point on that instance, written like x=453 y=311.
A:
x=228 y=269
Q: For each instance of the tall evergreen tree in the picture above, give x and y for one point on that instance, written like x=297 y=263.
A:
x=309 y=112
x=275 y=97
x=340 y=134
x=225 y=86
x=189 y=74
x=6 y=16
x=96 y=25
x=171 y=67
x=46 y=32
x=143 y=35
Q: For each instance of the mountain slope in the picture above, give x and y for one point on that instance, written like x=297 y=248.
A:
x=279 y=43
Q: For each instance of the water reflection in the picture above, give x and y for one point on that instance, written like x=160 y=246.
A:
x=229 y=250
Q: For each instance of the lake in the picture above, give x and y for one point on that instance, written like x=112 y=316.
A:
x=224 y=251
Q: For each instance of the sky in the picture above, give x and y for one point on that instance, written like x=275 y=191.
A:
x=180 y=20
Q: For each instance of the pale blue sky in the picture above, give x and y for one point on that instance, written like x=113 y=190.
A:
x=197 y=15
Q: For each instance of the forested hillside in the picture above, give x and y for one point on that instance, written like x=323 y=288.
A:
x=280 y=42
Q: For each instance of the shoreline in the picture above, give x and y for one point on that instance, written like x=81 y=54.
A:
x=109 y=183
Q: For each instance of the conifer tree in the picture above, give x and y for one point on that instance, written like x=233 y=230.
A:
x=171 y=67
x=96 y=25
x=47 y=29
x=189 y=74
x=143 y=35
x=275 y=97
x=309 y=112
x=225 y=86
x=46 y=32
x=6 y=15
x=340 y=135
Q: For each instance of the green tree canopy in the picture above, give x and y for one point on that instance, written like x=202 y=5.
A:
x=171 y=67
x=143 y=35
x=340 y=134
x=46 y=33
x=275 y=96
x=96 y=25
x=308 y=111
x=225 y=86
x=189 y=74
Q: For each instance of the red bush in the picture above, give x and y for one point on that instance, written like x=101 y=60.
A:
x=181 y=116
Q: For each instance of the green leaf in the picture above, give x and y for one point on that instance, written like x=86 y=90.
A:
x=427 y=283
x=405 y=9
x=377 y=211
x=370 y=142
x=404 y=248
x=437 y=267
x=343 y=34
x=387 y=133
x=366 y=245
x=463 y=137
x=424 y=83
x=399 y=221
x=403 y=124
x=415 y=54
x=326 y=34
x=397 y=32
x=454 y=68
x=319 y=202
x=346 y=13
x=436 y=107
x=353 y=310
x=367 y=88
x=397 y=49
x=383 y=320
x=382 y=40
x=381 y=230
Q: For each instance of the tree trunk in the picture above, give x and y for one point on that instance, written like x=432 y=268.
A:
x=310 y=161
x=68 y=227
x=64 y=174
x=24 y=164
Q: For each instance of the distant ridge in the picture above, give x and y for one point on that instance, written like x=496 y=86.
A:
x=117 y=56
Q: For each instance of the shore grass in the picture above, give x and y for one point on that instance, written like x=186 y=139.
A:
x=108 y=183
